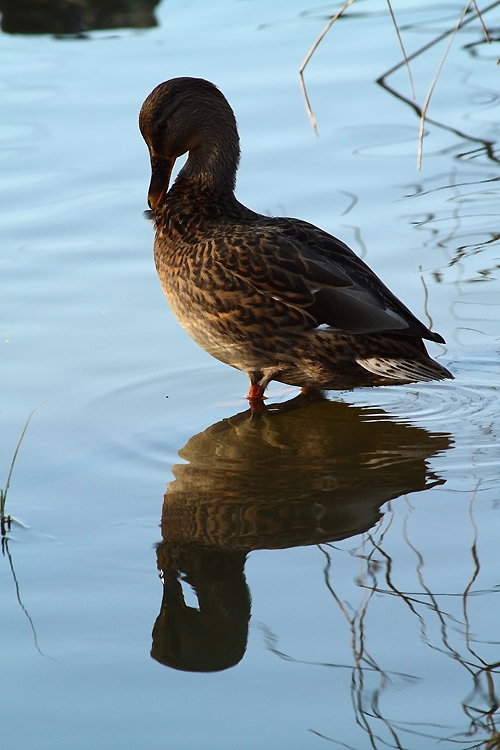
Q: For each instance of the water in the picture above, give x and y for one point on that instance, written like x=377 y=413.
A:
x=364 y=528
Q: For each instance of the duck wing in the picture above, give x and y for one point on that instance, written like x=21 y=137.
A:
x=300 y=265
x=364 y=306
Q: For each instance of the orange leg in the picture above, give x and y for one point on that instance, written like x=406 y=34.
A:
x=256 y=392
x=256 y=398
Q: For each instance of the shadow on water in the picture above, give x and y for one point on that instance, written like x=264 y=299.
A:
x=75 y=16
x=304 y=474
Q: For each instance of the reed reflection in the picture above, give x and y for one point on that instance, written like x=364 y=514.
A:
x=305 y=473
x=441 y=617
x=479 y=147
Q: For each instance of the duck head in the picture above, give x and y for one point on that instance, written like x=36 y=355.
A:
x=189 y=115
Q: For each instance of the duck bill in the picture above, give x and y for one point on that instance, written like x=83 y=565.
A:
x=161 y=169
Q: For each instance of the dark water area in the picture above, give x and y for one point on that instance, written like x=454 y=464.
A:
x=176 y=573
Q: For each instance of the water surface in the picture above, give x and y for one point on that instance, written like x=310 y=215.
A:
x=340 y=558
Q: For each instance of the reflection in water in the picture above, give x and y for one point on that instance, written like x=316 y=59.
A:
x=7 y=553
x=464 y=228
x=444 y=622
x=75 y=16
x=306 y=473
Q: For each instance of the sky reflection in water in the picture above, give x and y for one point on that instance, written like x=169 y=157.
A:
x=366 y=527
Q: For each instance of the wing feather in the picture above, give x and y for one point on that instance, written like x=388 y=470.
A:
x=304 y=267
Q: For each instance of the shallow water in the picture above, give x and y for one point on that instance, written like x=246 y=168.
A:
x=366 y=527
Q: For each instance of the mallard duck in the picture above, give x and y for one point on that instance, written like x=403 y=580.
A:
x=275 y=297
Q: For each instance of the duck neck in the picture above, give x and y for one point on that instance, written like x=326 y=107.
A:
x=212 y=164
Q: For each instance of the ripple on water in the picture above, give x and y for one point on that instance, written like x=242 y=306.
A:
x=172 y=405
x=466 y=407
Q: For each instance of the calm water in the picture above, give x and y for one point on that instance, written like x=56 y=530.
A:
x=343 y=555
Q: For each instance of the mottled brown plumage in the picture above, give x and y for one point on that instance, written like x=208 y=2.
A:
x=275 y=297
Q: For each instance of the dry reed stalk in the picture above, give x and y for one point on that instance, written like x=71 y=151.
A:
x=6 y=520
x=422 y=111
x=308 y=57
x=405 y=58
x=427 y=100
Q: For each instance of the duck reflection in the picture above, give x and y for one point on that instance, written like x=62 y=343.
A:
x=306 y=472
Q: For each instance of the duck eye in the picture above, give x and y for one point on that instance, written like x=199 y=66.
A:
x=160 y=129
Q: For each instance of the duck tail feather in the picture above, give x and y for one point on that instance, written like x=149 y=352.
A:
x=405 y=369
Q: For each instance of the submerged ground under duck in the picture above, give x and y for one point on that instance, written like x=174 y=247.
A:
x=275 y=297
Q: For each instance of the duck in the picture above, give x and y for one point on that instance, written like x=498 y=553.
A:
x=275 y=297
